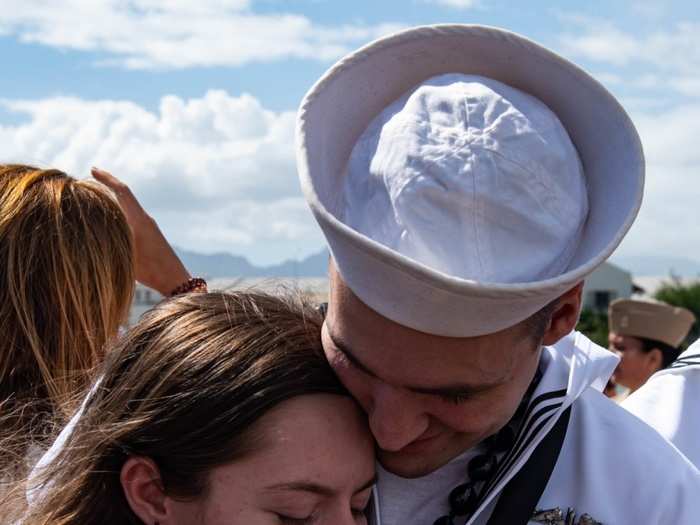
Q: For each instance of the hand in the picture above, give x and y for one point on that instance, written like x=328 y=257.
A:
x=156 y=264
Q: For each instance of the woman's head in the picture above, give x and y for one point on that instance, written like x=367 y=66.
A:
x=215 y=409
x=640 y=358
x=66 y=281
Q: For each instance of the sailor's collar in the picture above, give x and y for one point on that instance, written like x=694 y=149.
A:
x=688 y=359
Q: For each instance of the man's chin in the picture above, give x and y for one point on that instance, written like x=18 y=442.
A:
x=424 y=456
x=410 y=465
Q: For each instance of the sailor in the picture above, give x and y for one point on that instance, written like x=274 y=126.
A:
x=467 y=180
x=670 y=403
x=647 y=336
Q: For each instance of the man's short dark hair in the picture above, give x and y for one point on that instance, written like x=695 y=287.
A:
x=536 y=324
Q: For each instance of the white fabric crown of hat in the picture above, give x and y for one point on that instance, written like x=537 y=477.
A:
x=471 y=178
x=427 y=290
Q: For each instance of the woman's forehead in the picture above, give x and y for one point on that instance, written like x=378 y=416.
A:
x=306 y=438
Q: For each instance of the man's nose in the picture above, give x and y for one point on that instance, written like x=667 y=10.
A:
x=396 y=419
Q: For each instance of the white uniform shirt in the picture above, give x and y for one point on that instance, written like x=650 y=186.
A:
x=670 y=403
x=424 y=499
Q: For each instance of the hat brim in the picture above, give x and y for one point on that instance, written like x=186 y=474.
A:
x=340 y=106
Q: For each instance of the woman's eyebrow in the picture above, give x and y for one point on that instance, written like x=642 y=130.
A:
x=314 y=488
x=302 y=486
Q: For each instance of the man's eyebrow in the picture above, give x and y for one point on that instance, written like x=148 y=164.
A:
x=457 y=389
x=454 y=390
x=343 y=349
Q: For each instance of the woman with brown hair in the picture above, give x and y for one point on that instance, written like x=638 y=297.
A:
x=67 y=270
x=66 y=280
x=215 y=409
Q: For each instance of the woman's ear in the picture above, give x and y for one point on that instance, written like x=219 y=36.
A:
x=140 y=479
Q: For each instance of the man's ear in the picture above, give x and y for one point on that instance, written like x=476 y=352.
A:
x=141 y=482
x=564 y=316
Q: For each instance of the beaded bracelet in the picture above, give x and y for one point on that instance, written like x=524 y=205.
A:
x=193 y=284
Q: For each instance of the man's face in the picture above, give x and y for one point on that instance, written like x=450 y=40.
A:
x=428 y=398
x=636 y=366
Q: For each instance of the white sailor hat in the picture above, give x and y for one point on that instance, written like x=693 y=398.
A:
x=464 y=176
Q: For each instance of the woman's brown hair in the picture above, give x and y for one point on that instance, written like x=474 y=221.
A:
x=66 y=282
x=184 y=387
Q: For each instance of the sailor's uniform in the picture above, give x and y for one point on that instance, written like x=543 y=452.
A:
x=670 y=403
x=465 y=178
x=610 y=466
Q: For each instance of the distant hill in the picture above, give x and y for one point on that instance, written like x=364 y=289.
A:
x=229 y=265
x=659 y=265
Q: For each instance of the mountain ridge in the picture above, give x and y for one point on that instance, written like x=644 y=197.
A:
x=223 y=264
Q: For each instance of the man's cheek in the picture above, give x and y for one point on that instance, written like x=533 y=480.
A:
x=358 y=386
x=468 y=418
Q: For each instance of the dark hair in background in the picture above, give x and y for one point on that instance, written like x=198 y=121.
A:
x=668 y=353
x=184 y=387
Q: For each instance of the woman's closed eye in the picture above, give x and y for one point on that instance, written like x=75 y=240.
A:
x=289 y=520
x=455 y=399
x=358 y=514
x=361 y=502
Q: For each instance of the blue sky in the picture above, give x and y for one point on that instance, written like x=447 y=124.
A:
x=193 y=103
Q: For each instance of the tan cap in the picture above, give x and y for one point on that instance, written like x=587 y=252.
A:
x=650 y=320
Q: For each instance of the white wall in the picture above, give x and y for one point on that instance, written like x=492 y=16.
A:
x=607 y=283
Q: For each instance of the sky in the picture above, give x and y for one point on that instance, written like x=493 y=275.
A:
x=193 y=103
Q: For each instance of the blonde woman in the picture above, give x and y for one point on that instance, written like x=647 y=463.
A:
x=68 y=260
x=215 y=409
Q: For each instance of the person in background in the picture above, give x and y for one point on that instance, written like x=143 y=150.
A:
x=69 y=254
x=66 y=281
x=647 y=336
x=214 y=409
x=669 y=402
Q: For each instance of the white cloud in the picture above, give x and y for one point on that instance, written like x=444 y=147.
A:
x=653 y=69
x=217 y=171
x=165 y=34
x=669 y=60
x=667 y=223
x=456 y=4
x=608 y=78
x=602 y=41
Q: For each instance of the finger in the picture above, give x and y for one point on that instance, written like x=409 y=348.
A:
x=108 y=179
x=126 y=198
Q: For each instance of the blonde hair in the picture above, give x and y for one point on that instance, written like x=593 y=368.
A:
x=66 y=283
x=184 y=387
